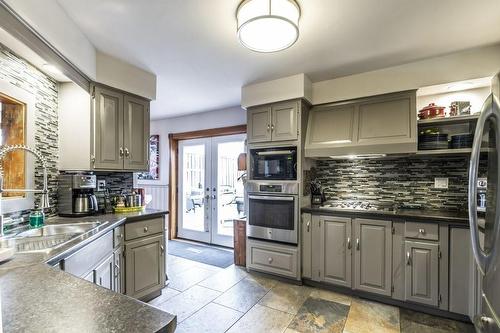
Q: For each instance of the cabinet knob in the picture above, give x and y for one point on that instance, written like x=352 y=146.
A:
x=357 y=244
x=268 y=127
x=127 y=153
x=162 y=249
x=270 y=260
x=121 y=152
x=421 y=231
x=408 y=259
x=349 y=243
x=308 y=225
x=145 y=229
x=272 y=128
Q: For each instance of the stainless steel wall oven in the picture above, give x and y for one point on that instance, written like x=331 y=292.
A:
x=273 y=212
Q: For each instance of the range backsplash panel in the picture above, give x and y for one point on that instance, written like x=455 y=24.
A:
x=397 y=182
x=22 y=74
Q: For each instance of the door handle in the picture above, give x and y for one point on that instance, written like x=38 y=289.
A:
x=121 y=152
x=162 y=249
x=268 y=127
x=408 y=258
x=357 y=244
x=490 y=109
x=214 y=197
x=308 y=225
x=127 y=153
x=272 y=128
x=349 y=243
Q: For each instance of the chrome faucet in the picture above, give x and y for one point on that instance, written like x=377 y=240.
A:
x=45 y=191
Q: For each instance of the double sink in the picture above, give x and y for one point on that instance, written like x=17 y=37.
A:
x=45 y=238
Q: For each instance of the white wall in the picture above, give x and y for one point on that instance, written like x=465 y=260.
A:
x=52 y=22
x=465 y=65
x=475 y=96
x=205 y=120
x=119 y=74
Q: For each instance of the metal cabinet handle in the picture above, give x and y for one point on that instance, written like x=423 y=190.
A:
x=127 y=153
x=100 y=281
x=357 y=244
x=145 y=229
x=121 y=152
x=408 y=258
x=272 y=128
x=349 y=243
x=268 y=127
x=421 y=231
x=162 y=249
x=270 y=260
x=214 y=197
x=117 y=270
x=308 y=225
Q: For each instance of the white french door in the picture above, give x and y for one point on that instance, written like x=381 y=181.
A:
x=211 y=194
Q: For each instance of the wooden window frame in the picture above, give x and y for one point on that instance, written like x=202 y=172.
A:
x=173 y=176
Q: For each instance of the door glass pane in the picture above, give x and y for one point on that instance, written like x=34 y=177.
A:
x=193 y=170
x=231 y=202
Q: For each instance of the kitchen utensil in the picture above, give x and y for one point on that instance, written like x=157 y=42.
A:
x=431 y=111
x=130 y=200
x=459 y=108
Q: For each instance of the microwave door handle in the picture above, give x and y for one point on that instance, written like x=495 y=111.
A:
x=274 y=152
x=265 y=197
x=491 y=108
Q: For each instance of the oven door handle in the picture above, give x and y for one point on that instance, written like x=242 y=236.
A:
x=270 y=198
x=274 y=152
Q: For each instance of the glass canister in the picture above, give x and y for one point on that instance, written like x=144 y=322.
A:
x=37 y=218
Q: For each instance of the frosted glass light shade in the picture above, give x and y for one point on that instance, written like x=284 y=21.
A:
x=268 y=25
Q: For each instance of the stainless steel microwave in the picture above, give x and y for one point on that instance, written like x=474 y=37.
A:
x=278 y=163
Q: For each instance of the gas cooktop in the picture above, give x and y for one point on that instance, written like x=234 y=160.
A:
x=356 y=205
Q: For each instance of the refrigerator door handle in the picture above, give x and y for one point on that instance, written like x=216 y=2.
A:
x=490 y=109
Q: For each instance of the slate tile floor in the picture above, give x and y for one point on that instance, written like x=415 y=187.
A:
x=210 y=299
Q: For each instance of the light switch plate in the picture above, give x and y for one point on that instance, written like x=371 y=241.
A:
x=101 y=185
x=441 y=183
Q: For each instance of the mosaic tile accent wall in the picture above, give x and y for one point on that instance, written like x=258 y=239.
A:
x=117 y=182
x=398 y=181
x=22 y=74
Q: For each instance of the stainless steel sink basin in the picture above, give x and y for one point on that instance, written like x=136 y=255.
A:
x=59 y=229
x=47 y=237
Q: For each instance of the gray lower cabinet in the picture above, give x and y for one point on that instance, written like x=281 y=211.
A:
x=335 y=253
x=273 y=258
x=144 y=266
x=422 y=272
x=104 y=273
x=118 y=275
x=373 y=256
x=462 y=272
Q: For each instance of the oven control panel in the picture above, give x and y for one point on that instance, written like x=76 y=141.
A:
x=271 y=188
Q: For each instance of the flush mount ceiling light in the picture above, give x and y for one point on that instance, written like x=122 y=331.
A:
x=268 y=25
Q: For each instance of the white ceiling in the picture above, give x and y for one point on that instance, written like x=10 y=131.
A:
x=191 y=45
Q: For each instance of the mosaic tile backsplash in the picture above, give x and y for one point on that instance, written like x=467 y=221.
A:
x=22 y=74
x=396 y=182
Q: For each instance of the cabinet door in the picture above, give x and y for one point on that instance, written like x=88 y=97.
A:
x=259 y=124
x=373 y=256
x=104 y=273
x=306 y=246
x=422 y=279
x=144 y=266
x=461 y=274
x=331 y=126
x=90 y=276
x=136 y=134
x=388 y=119
x=117 y=270
x=336 y=250
x=284 y=121
x=108 y=129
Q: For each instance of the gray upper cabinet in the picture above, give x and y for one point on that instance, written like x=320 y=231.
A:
x=259 y=124
x=335 y=254
x=422 y=272
x=144 y=266
x=136 y=133
x=384 y=124
x=120 y=124
x=284 y=121
x=276 y=122
x=108 y=129
x=373 y=256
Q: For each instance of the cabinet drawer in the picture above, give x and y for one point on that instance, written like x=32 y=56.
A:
x=118 y=237
x=143 y=228
x=419 y=230
x=281 y=260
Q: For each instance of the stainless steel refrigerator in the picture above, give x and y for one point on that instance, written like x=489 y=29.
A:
x=486 y=254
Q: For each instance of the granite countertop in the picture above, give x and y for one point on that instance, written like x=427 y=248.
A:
x=458 y=217
x=37 y=297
